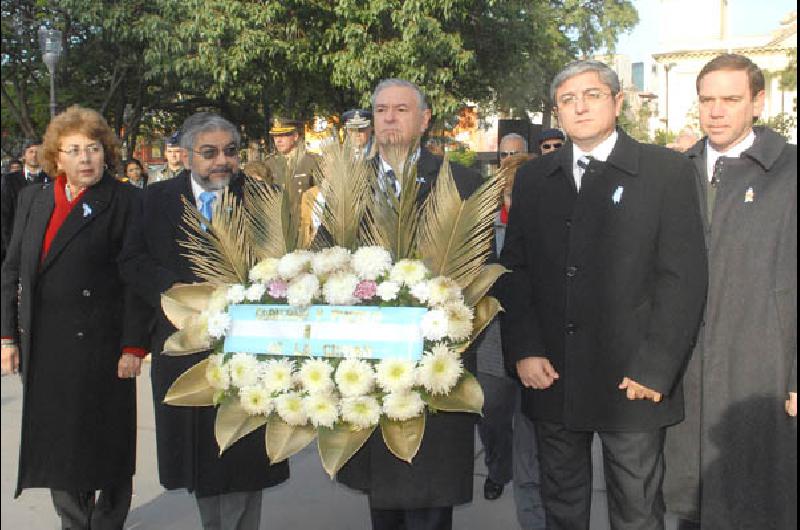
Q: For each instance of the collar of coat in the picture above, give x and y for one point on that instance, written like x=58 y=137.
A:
x=765 y=151
x=624 y=156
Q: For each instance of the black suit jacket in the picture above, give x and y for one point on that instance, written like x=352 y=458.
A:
x=188 y=455
x=606 y=283
x=11 y=186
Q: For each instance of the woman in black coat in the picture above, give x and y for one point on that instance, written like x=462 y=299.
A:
x=73 y=328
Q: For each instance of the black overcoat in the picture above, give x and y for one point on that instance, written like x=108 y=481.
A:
x=606 y=283
x=441 y=473
x=72 y=320
x=188 y=454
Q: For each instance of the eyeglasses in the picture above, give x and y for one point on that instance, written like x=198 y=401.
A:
x=546 y=147
x=504 y=154
x=74 y=151
x=591 y=96
x=210 y=152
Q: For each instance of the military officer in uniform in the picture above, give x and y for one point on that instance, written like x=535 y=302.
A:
x=174 y=155
x=358 y=128
x=291 y=165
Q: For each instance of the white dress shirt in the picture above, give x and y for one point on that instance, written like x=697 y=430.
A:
x=712 y=155
x=601 y=152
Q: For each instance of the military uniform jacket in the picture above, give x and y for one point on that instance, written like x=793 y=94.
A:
x=605 y=283
x=304 y=169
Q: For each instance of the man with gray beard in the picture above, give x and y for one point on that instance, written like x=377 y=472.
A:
x=227 y=488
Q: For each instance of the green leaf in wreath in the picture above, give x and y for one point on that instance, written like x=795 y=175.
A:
x=284 y=440
x=466 y=396
x=191 y=388
x=234 y=423
x=338 y=445
x=403 y=438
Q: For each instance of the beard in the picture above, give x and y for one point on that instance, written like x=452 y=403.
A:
x=216 y=179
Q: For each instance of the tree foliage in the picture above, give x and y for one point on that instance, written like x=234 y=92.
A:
x=148 y=64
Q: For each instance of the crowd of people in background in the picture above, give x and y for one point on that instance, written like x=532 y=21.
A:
x=650 y=300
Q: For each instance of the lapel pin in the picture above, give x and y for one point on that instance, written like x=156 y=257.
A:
x=617 y=197
x=87 y=210
x=749 y=195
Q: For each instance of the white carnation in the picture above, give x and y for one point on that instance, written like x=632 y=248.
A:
x=315 y=376
x=396 y=375
x=442 y=290
x=403 y=405
x=217 y=373
x=255 y=400
x=421 y=292
x=293 y=264
x=340 y=289
x=371 y=262
x=265 y=270
x=244 y=369
x=302 y=290
x=354 y=377
x=322 y=409
x=291 y=409
x=330 y=260
x=255 y=292
x=361 y=412
x=408 y=272
x=236 y=293
x=434 y=324
x=276 y=375
x=459 y=321
x=388 y=290
x=439 y=370
x=218 y=324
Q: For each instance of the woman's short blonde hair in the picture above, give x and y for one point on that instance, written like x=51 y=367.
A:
x=80 y=120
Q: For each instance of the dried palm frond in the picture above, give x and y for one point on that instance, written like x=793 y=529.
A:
x=392 y=221
x=346 y=186
x=218 y=251
x=455 y=236
x=263 y=213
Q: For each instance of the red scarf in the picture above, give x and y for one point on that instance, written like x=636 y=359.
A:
x=60 y=213
x=504 y=214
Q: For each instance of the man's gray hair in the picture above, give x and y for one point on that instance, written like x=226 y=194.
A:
x=515 y=136
x=388 y=83
x=607 y=76
x=203 y=122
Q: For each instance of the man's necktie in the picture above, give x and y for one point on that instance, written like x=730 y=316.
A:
x=390 y=180
x=583 y=165
x=207 y=199
x=711 y=191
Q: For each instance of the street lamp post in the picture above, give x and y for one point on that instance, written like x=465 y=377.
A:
x=50 y=43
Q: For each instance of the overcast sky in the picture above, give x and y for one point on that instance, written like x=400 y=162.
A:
x=747 y=17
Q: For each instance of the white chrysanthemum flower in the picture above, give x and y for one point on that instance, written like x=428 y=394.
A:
x=255 y=400
x=265 y=270
x=302 y=290
x=255 y=292
x=315 y=376
x=421 y=292
x=361 y=412
x=371 y=262
x=459 y=320
x=217 y=373
x=388 y=290
x=330 y=260
x=291 y=409
x=276 y=375
x=293 y=264
x=340 y=289
x=443 y=290
x=354 y=377
x=408 y=272
x=439 y=370
x=396 y=375
x=403 y=405
x=218 y=324
x=244 y=369
x=236 y=293
x=322 y=409
x=434 y=324
x=219 y=300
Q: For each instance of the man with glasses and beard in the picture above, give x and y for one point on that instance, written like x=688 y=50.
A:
x=550 y=141
x=227 y=488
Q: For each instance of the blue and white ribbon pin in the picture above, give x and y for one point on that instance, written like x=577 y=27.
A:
x=617 y=197
x=87 y=210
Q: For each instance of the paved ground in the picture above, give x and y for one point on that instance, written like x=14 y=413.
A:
x=309 y=501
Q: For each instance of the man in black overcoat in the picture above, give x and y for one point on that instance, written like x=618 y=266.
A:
x=603 y=303
x=420 y=495
x=228 y=488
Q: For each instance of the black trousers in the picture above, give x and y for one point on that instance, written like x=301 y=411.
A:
x=633 y=463
x=82 y=510
x=496 y=425
x=419 y=519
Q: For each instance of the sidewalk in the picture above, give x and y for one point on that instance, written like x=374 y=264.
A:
x=308 y=501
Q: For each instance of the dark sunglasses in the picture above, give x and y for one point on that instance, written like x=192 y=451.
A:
x=552 y=146
x=504 y=154
x=210 y=153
